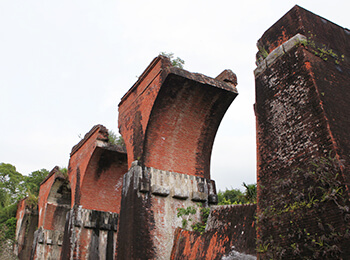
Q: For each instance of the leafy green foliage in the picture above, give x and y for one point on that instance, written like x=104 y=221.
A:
x=200 y=226
x=321 y=50
x=236 y=196
x=7 y=239
x=33 y=180
x=8 y=212
x=11 y=185
x=11 y=228
x=176 y=62
x=185 y=213
x=64 y=171
x=7 y=227
x=182 y=212
x=233 y=196
x=112 y=137
x=263 y=52
x=250 y=193
x=115 y=139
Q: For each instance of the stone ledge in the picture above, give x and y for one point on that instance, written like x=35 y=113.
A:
x=199 y=196
x=159 y=190
x=165 y=183
x=278 y=52
x=102 y=220
x=181 y=194
x=50 y=237
x=179 y=186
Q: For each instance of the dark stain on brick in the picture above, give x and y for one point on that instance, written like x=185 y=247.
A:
x=65 y=192
x=105 y=161
x=135 y=225
x=27 y=229
x=95 y=241
x=232 y=227
x=300 y=104
x=77 y=188
x=60 y=217
x=110 y=239
x=66 y=245
x=137 y=137
x=182 y=126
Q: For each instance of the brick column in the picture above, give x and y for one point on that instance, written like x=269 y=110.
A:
x=168 y=119
x=303 y=138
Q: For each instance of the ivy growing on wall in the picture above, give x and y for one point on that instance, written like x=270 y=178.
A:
x=186 y=215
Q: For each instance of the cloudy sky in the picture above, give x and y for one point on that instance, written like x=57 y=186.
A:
x=64 y=66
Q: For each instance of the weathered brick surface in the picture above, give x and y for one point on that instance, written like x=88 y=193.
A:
x=27 y=223
x=136 y=220
x=102 y=184
x=170 y=112
x=44 y=193
x=299 y=20
x=47 y=244
x=90 y=234
x=330 y=76
x=54 y=203
x=90 y=194
x=95 y=172
x=301 y=110
x=80 y=157
x=168 y=120
x=136 y=105
x=230 y=230
x=146 y=229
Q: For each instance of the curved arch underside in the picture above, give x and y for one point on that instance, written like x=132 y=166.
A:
x=102 y=183
x=58 y=204
x=169 y=117
x=182 y=126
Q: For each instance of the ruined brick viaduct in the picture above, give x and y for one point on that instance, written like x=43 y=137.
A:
x=122 y=204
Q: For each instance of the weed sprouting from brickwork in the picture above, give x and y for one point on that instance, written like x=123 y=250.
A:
x=321 y=50
x=200 y=226
x=185 y=214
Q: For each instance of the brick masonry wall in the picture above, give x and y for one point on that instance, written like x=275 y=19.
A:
x=331 y=87
x=93 y=190
x=168 y=120
x=182 y=125
x=301 y=99
x=45 y=188
x=103 y=180
x=90 y=234
x=27 y=223
x=96 y=170
x=136 y=105
x=80 y=157
x=230 y=233
x=146 y=230
x=170 y=112
x=54 y=203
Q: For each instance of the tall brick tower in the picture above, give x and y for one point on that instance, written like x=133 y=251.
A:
x=168 y=120
x=303 y=138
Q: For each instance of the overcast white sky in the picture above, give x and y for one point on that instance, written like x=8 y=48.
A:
x=64 y=66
